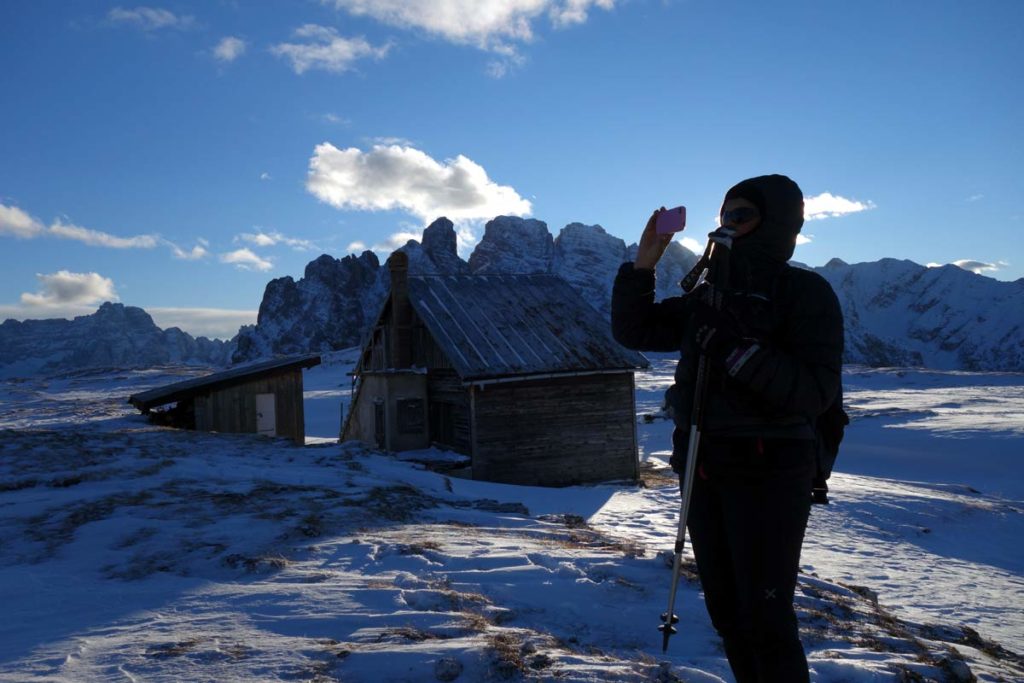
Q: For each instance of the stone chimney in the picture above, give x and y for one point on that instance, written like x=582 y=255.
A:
x=401 y=311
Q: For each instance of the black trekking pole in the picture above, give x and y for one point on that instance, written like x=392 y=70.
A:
x=718 y=270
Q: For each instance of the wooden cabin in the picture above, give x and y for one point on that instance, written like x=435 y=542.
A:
x=516 y=371
x=260 y=398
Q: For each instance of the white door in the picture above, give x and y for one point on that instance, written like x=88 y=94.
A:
x=266 y=417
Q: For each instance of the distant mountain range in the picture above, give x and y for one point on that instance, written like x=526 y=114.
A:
x=897 y=313
x=115 y=336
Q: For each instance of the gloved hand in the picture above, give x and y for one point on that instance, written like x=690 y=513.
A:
x=717 y=333
x=719 y=337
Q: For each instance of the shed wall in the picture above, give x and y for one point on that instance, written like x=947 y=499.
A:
x=556 y=432
x=405 y=423
x=234 y=409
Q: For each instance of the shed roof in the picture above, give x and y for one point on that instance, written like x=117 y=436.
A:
x=178 y=391
x=492 y=326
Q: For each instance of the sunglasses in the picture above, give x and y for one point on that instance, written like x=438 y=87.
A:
x=743 y=214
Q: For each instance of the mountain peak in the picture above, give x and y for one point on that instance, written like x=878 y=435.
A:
x=513 y=245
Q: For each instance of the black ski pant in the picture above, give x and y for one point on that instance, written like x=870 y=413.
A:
x=751 y=500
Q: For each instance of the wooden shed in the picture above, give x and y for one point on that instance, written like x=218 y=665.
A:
x=516 y=371
x=260 y=398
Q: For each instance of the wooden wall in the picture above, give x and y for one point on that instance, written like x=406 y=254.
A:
x=391 y=390
x=450 y=419
x=556 y=432
x=234 y=409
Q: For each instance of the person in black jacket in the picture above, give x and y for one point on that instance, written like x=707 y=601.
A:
x=773 y=336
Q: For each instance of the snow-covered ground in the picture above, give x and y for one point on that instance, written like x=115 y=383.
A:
x=136 y=553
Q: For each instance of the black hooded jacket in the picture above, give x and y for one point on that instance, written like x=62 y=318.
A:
x=792 y=313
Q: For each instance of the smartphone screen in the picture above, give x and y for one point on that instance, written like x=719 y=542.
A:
x=671 y=221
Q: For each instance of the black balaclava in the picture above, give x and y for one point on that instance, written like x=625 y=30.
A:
x=781 y=204
x=756 y=257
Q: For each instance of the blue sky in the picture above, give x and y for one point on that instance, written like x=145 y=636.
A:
x=178 y=155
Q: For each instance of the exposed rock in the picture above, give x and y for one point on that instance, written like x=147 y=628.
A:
x=327 y=309
x=513 y=245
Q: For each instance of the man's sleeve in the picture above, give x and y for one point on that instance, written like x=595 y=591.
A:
x=637 y=321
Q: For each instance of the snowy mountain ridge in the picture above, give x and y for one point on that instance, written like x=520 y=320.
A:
x=114 y=336
x=897 y=313
x=585 y=255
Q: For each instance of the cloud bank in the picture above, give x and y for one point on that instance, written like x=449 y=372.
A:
x=978 y=267
x=828 y=205
x=95 y=238
x=215 y=323
x=150 y=18
x=498 y=26
x=17 y=223
x=407 y=179
x=65 y=288
x=274 y=238
x=325 y=49
x=488 y=24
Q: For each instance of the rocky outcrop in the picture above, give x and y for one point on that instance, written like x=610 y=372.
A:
x=327 y=309
x=513 y=245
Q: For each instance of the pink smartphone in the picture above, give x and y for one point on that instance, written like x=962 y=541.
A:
x=671 y=221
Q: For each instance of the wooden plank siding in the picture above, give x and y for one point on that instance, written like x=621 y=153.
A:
x=449 y=400
x=555 y=432
x=233 y=409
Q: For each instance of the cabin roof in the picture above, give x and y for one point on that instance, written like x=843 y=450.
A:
x=491 y=326
x=188 y=388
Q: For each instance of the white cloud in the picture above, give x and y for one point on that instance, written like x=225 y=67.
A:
x=246 y=260
x=404 y=178
x=395 y=241
x=194 y=254
x=692 y=244
x=215 y=323
x=65 y=288
x=260 y=239
x=355 y=247
x=150 y=18
x=265 y=176
x=575 y=11
x=229 y=49
x=15 y=222
x=828 y=205
x=803 y=239
x=975 y=197
x=18 y=223
x=272 y=238
x=96 y=238
x=487 y=24
x=388 y=141
x=499 y=68
x=325 y=49
x=336 y=120
x=980 y=267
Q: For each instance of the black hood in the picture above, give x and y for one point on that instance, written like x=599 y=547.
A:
x=782 y=215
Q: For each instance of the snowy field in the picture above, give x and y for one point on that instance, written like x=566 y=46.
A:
x=135 y=553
